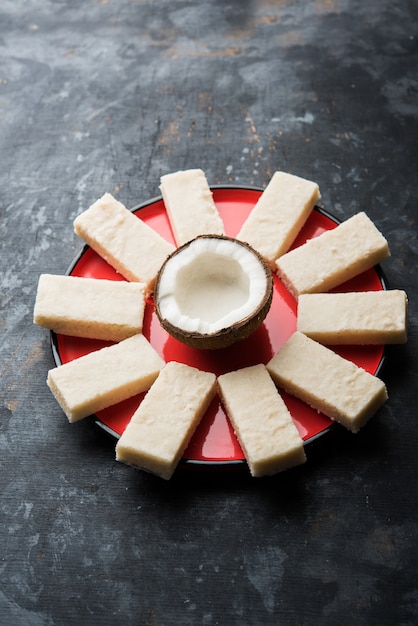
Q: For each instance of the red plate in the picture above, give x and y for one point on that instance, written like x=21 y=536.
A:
x=214 y=442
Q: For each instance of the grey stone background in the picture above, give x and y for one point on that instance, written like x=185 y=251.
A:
x=107 y=95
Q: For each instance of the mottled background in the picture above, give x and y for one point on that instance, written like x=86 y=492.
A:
x=107 y=95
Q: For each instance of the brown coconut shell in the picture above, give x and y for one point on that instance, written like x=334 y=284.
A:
x=223 y=337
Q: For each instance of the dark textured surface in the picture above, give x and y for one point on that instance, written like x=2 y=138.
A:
x=108 y=95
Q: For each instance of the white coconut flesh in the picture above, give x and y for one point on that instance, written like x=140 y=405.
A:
x=210 y=284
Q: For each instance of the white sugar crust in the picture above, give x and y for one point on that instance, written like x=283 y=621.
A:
x=327 y=382
x=261 y=421
x=333 y=257
x=190 y=206
x=105 y=377
x=89 y=307
x=127 y=243
x=279 y=214
x=357 y=318
x=162 y=426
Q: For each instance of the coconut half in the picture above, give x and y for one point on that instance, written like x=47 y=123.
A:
x=213 y=291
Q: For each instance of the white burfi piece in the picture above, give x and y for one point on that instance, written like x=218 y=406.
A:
x=128 y=244
x=105 y=377
x=89 y=307
x=333 y=257
x=261 y=421
x=279 y=214
x=365 y=318
x=327 y=382
x=166 y=419
x=190 y=206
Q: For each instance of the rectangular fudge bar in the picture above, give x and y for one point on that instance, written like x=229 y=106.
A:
x=327 y=382
x=333 y=257
x=190 y=205
x=166 y=419
x=366 y=318
x=104 y=377
x=261 y=420
x=89 y=307
x=279 y=214
x=128 y=244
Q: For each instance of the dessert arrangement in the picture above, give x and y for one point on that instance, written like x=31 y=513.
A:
x=210 y=291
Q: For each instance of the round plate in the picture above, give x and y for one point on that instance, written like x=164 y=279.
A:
x=214 y=442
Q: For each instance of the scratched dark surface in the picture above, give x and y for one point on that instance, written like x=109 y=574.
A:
x=109 y=95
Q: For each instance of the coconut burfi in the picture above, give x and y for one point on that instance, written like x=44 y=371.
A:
x=190 y=206
x=279 y=214
x=89 y=307
x=163 y=424
x=333 y=257
x=327 y=382
x=261 y=420
x=128 y=244
x=372 y=317
x=105 y=377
